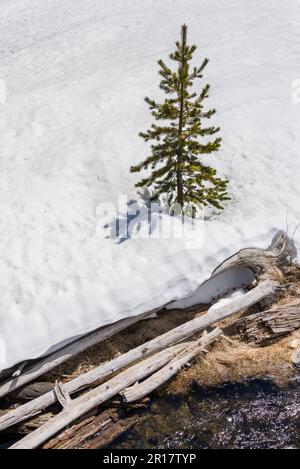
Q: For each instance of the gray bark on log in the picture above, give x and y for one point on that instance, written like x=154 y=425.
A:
x=31 y=391
x=113 y=431
x=140 y=390
x=266 y=325
x=88 y=401
x=94 y=432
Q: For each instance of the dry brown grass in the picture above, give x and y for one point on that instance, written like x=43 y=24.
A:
x=122 y=342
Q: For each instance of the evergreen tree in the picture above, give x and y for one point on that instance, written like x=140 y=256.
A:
x=177 y=171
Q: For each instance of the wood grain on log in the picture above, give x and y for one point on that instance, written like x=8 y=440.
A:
x=265 y=264
x=94 y=432
x=140 y=390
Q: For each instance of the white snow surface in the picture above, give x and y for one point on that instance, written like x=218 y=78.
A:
x=75 y=74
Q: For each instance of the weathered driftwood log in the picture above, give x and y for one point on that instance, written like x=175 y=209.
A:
x=88 y=401
x=33 y=424
x=265 y=264
x=57 y=358
x=140 y=390
x=263 y=326
x=94 y=432
x=175 y=335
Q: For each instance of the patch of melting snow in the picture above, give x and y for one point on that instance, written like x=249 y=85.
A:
x=68 y=136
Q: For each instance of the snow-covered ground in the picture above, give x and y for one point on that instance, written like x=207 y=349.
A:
x=75 y=74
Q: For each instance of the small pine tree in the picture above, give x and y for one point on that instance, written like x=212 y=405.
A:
x=176 y=169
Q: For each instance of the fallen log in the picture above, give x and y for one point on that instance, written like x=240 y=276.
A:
x=34 y=424
x=60 y=356
x=75 y=432
x=264 y=290
x=94 y=432
x=88 y=401
x=266 y=264
x=296 y=357
x=267 y=325
x=31 y=391
x=140 y=390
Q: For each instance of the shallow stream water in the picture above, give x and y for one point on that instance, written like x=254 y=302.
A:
x=256 y=415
